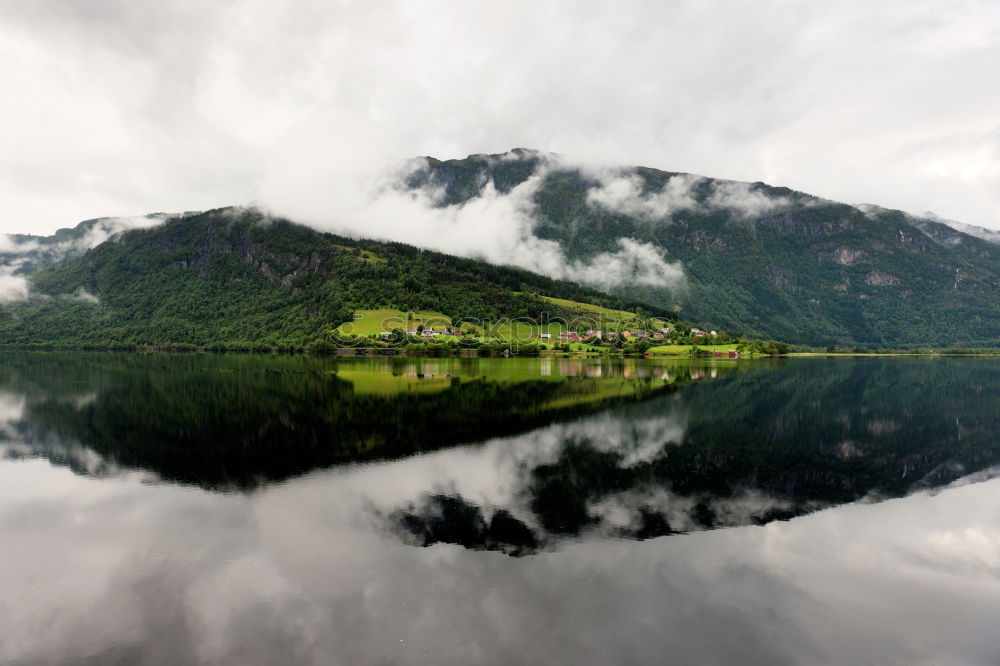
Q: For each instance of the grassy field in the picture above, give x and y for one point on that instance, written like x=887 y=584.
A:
x=524 y=332
x=686 y=349
x=373 y=322
x=606 y=315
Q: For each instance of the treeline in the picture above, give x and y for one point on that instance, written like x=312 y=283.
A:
x=922 y=350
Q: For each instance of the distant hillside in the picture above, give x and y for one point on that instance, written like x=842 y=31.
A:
x=761 y=261
x=26 y=253
x=238 y=278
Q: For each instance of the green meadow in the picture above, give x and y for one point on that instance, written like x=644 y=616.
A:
x=686 y=349
x=373 y=322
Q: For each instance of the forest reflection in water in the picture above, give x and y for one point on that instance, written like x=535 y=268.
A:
x=207 y=508
x=237 y=421
x=623 y=447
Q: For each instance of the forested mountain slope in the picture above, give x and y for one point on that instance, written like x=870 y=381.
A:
x=759 y=260
x=238 y=277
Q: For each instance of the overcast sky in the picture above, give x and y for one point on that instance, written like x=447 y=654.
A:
x=122 y=107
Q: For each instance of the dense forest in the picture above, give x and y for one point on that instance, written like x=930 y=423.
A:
x=237 y=278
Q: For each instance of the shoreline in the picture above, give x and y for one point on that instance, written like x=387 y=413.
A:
x=372 y=352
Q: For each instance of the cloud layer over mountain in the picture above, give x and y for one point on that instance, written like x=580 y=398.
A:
x=118 y=107
x=370 y=199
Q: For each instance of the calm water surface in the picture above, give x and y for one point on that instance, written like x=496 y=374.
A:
x=174 y=509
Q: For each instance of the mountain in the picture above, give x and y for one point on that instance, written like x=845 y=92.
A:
x=972 y=230
x=759 y=260
x=23 y=254
x=239 y=278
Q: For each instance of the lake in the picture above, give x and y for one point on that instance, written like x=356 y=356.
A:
x=169 y=509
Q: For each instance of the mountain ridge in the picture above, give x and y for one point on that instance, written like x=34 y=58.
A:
x=763 y=260
x=758 y=260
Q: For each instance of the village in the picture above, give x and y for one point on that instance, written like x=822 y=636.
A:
x=564 y=336
x=545 y=338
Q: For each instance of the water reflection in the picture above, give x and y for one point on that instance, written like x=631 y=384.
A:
x=129 y=567
x=117 y=571
x=758 y=447
x=225 y=421
x=573 y=447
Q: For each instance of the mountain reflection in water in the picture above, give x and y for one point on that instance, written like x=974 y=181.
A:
x=606 y=448
x=236 y=422
x=239 y=509
x=749 y=449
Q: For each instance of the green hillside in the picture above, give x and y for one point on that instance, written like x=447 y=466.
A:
x=236 y=278
x=763 y=261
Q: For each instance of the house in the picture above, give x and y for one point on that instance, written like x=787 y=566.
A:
x=734 y=353
x=546 y=336
x=411 y=331
x=428 y=333
x=657 y=336
x=385 y=335
x=642 y=335
x=698 y=333
x=594 y=334
x=572 y=337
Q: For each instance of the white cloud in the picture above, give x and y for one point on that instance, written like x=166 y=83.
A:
x=116 y=106
x=12 y=287
x=744 y=201
x=15 y=287
x=82 y=294
x=624 y=194
x=366 y=198
x=8 y=244
x=634 y=262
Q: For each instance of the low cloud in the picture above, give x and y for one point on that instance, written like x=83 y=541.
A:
x=369 y=198
x=634 y=262
x=82 y=294
x=13 y=288
x=743 y=200
x=19 y=256
x=105 y=228
x=624 y=194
